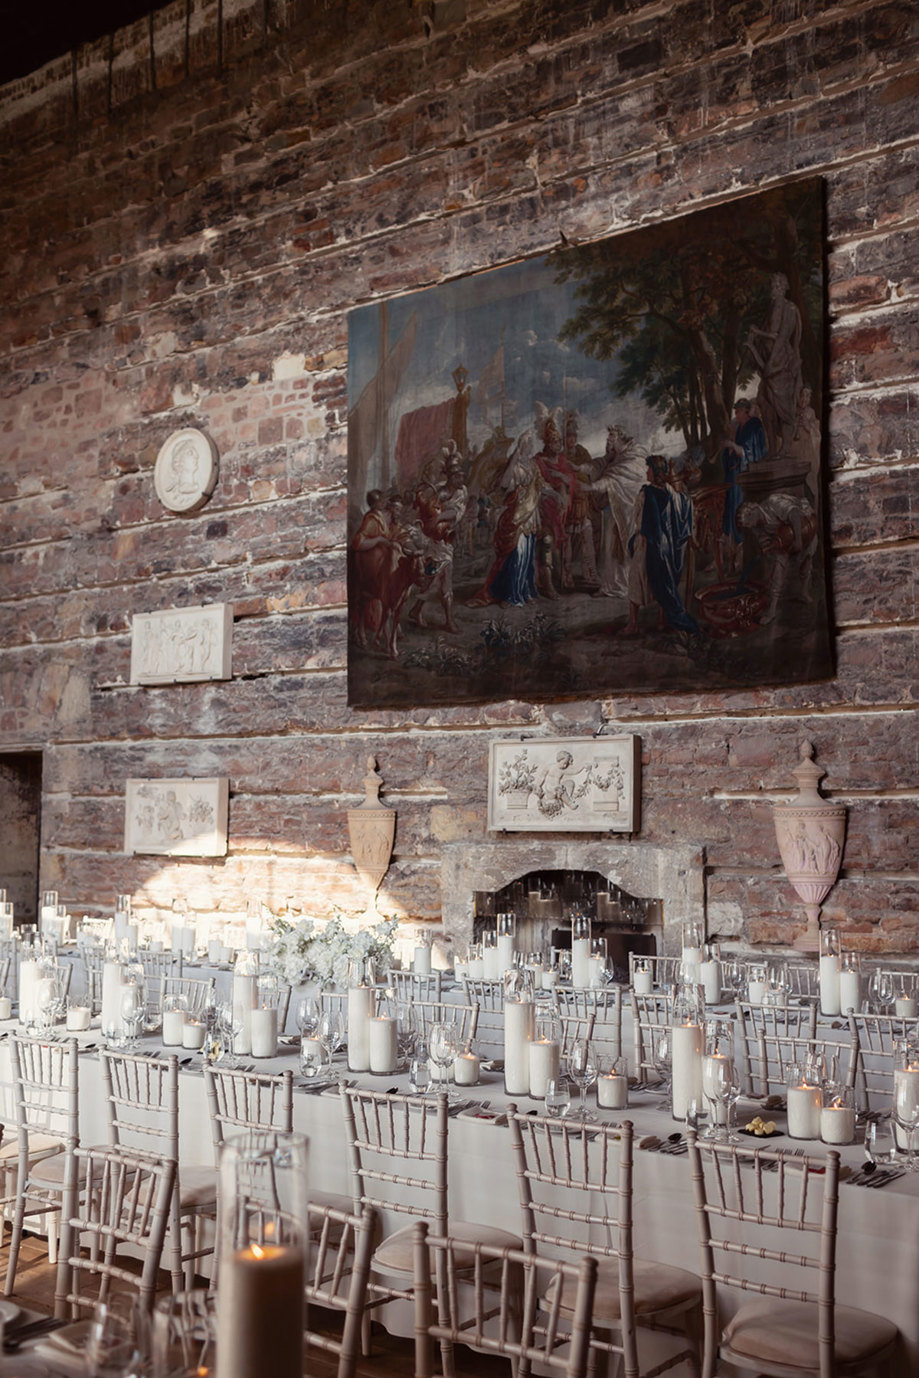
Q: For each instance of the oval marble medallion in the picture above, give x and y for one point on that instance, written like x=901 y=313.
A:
x=185 y=473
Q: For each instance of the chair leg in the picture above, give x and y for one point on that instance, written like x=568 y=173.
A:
x=15 y=1241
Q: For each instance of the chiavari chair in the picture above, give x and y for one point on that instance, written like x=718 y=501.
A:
x=758 y=1026
x=142 y=1104
x=46 y=1088
x=575 y=1183
x=410 y=985
x=665 y=971
x=878 y=1037
x=493 y=1304
x=341 y=1246
x=767 y=1222
x=398 y=1152
x=651 y=1016
x=123 y=1198
x=606 y=1007
x=769 y=1060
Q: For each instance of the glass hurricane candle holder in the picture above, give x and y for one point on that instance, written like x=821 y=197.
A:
x=264 y=1232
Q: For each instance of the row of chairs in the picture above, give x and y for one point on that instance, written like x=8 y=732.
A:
x=569 y=1293
x=772 y=1038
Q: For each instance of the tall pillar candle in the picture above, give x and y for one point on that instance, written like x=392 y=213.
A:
x=545 y=1062
x=597 y=968
x=829 y=985
x=686 y=1067
x=28 y=1006
x=505 y=947
x=245 y=999
x=642 y=981
x=690 y=962
x=905 y=1101
x=580 y=962
x=382 y=1045
x=112 y=985
x=518 y=1033
x=850 y=992
x=263 y=1029
x=804 y=1105
x=490 y=968
x=710 y=976
x=260 y=1312
x=421 y=965
x=360 y=1011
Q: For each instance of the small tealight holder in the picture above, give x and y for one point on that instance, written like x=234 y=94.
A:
x=194 y=1032
x=837 y=1115
x=642 y=978
x=79 y=1018
x=315 y=1060
x=905 y=1003
x=613 y=1087
x=466 y=1068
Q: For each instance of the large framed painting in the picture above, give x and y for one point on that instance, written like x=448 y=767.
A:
x=595 y=471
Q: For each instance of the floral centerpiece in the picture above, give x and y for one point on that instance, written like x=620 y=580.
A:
x=319 y=950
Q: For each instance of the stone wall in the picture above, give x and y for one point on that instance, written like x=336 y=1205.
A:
x=185 y=226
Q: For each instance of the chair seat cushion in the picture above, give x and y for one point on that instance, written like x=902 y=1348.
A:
x=197 y=1187
x=785 y=1332
x=40 y=1146
x=395 y=1254
x=658 y=1288
x=49 y=1172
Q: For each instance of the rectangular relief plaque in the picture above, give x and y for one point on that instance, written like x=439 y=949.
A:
x=181 y=645
x=565 y=784
x=186 y=817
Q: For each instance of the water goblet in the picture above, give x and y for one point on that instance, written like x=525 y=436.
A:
x=582 y=1069
x=315 y=1059
x=880 y=990
x=133 y=1010
x=331 y=1030
x=184 y=1335
x=419 y=1072
x=114 y=1340
x=718 y=1079
x=558 y=1097
x=663 y=1061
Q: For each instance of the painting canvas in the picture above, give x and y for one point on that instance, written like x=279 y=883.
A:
x=565 y=784
x=595 y=471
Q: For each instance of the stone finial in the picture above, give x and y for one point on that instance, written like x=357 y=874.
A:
x=372 y=830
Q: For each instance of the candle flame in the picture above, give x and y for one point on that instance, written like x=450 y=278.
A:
x=258 y=1251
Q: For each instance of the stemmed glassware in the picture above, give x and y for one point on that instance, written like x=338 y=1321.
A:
x=906 y=1100
x=133 y=1011
x=720 y=1081
x=880 y=990
x=331 y=1030
x=582 y=1069
x=419 y=1071
x=444 y=1047
x=736 y=974
x=663 y=1062
x=308 y=1014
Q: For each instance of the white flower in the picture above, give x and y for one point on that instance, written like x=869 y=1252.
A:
x=321 y=951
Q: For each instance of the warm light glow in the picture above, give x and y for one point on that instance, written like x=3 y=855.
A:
x=258 y=1251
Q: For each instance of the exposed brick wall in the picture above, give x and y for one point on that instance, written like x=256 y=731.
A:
x=185 y=226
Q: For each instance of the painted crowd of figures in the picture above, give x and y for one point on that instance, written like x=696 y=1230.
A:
x=555 y=521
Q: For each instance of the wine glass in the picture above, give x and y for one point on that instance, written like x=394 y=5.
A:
x=582 y=1068
x=113 y=1340
x=718 y=1080
x=50 y=999
x=736 y=973
x=331 y=1030
x=906 y=1111
x=308 y=1014
x=407 y=1033
x=184 y=1335
x=558 y=1097
x=880 y=989
x=133 y=1011
x=663 y=1061
x=444 y=1047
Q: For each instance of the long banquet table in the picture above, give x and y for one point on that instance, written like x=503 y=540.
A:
x=877 y=1260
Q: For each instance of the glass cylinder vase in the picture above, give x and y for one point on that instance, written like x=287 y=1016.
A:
x=264 y=1233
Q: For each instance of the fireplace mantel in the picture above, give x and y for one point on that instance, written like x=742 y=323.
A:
x=673 y=875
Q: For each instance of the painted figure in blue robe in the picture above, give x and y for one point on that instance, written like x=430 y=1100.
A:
x=747 y=446
x=662 y=527
x=512 y=576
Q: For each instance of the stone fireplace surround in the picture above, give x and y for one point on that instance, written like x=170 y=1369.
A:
x=673 y=875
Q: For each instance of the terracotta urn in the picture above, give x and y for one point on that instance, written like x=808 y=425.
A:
x=811 y=835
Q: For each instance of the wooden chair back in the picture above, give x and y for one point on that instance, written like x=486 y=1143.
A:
x=248 y=1100
x=398 y=1153
x=651 y=1015
x=877 y=1037
x=606 y=1007
x=507 y=1302
x=428 y=1012
x=198 y=991
x=770 y=1057
x=767 y=1222
x=338 y=1273
x=407 y=985
x=123 y=1200
x=665 y=971
x=757 y=1029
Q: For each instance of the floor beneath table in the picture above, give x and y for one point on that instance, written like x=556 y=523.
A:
x=392 y=1357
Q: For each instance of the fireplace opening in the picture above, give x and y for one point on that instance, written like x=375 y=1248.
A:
x=544 y=902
